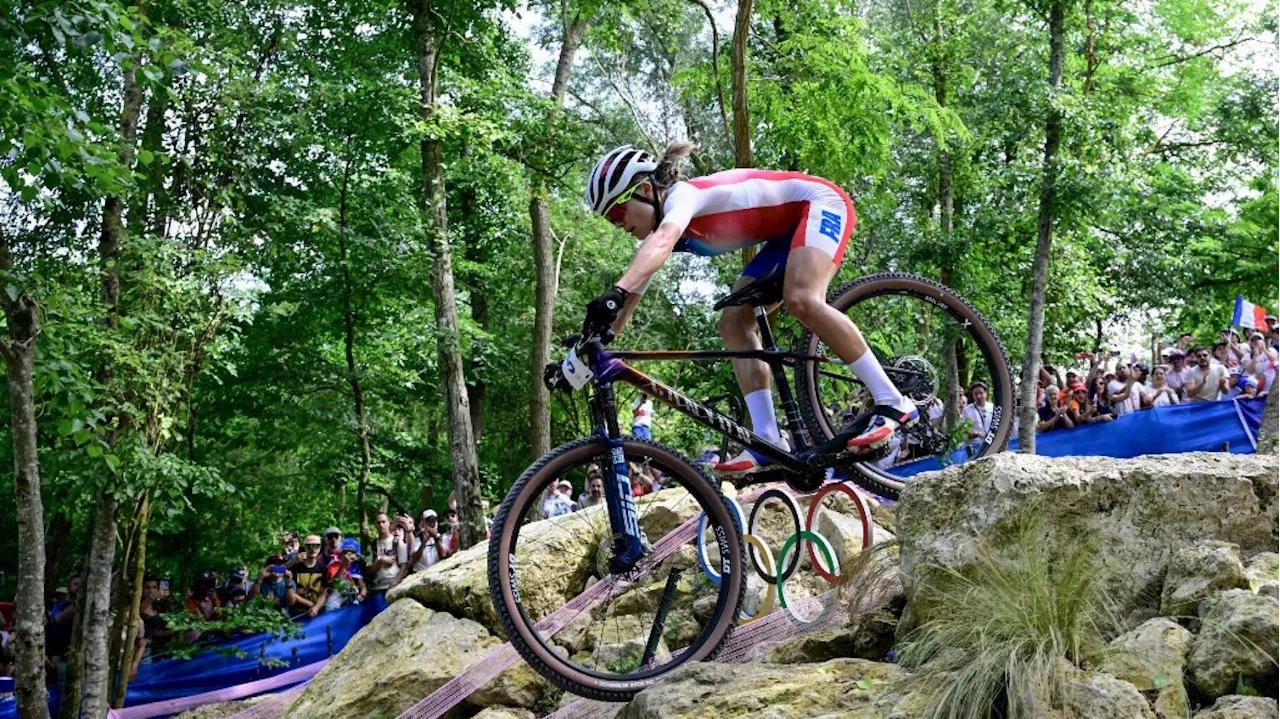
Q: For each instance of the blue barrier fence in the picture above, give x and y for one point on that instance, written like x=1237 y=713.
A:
x=1226 y=425
x=220 y=668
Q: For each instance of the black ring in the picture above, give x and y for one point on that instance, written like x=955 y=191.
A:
x=786 y=500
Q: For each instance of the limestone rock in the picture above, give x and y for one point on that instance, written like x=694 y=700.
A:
x=459 y=585
x=222 y=710
x=1262 y=569
x=1270 y=589
x=867 y=637
x=1139 y=512
x=1237 y=644
x=519 y=686
x=1199 y=571
x=1102 y=696
x=1171 y=702
x=846 y=688
x=504 y=713
x=1234 y=706
x=1150 y=657
x=404 y=654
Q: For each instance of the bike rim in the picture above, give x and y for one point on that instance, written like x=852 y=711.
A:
x=908 y=322
x=607 y=637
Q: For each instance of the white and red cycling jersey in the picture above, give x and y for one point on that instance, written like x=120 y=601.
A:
x=737 y=208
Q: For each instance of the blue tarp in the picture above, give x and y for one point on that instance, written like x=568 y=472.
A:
x=173 y=678
x=1225 y=425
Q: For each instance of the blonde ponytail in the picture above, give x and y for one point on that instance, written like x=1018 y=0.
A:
x=668 y=171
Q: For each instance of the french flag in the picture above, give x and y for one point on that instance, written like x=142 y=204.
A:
x=1249 y=315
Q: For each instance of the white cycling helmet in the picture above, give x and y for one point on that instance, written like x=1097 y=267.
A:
x=614 y=174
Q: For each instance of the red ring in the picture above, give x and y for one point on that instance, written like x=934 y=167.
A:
x=867 y=537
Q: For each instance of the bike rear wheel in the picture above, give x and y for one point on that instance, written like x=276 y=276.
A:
x=932 y=343
x=599 y=634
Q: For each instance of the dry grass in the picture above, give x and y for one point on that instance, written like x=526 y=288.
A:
x=1005 y=634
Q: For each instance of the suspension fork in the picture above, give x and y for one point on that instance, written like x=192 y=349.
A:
x=628 y=547
x=789 y=406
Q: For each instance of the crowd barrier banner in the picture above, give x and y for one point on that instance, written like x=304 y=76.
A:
x=217 y=670
x=1225 y=425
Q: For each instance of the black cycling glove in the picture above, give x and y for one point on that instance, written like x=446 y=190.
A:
x=603 y=311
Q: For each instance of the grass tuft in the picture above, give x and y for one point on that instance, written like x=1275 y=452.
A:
x=1006 y=634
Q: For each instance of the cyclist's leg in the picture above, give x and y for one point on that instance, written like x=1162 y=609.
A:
x=738 y=330
x=815 y=256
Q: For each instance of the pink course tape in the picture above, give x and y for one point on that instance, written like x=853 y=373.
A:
x=240 y=691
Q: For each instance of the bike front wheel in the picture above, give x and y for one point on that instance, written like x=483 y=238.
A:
x=933 y=345
x=587 y=629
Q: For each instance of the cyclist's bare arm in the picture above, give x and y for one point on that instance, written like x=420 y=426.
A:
x=653 y=253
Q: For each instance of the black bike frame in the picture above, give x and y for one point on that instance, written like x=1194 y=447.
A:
x=610 y=367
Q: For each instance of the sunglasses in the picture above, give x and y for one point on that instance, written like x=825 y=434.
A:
x=617 y=211
x=312 y=546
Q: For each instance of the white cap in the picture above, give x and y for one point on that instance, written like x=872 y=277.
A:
x=430 y=514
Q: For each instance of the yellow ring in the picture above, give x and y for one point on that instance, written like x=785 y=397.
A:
x=766 y=606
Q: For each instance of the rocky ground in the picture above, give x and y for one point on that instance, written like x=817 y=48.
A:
x=1185 y=548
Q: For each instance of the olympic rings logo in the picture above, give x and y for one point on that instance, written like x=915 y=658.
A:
x=775 y=574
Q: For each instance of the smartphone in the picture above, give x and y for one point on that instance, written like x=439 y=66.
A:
x=164 y=585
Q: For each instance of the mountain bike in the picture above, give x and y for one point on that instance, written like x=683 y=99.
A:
x=605 y=600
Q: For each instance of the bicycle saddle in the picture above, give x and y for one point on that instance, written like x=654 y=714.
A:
x=764 y=291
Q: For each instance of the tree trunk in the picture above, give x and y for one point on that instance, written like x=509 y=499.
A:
x=115 y=644
x=349 y=346
x=738 y=78
x=55 y=551
x=1269 y=432
x=152 y=182
x=479 y=296
x=1044 y=236
x=135 y=602
x=544 y=259
x=19 y=352
x=466 y=474
x=102 y=540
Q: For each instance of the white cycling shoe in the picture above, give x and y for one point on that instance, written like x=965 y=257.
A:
x=748 y=462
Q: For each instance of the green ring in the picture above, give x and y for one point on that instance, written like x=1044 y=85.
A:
x=787 y=546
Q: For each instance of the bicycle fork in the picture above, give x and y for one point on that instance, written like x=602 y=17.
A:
x=628 y=544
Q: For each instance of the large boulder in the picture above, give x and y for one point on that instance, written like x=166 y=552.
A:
x=1238 y=643
x=1102 y=696
x=1197 y=573
x=1234 y=706
x=846 y=688
x=1138 y=512
x=869 y=636
x=459 y=585
x=1152 y=658
x=1262 y=569
x=404 y=654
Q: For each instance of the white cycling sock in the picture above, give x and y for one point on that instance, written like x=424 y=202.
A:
x=763 y=420
x=868 y=369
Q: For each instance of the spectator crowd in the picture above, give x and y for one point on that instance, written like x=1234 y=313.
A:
x=1111 y=388
x=309 y=575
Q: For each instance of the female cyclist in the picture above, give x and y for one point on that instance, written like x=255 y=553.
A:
x=803 y=223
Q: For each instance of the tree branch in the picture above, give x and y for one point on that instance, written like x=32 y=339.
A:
x=715 y=69
x=1175 y=59
x=626 y=100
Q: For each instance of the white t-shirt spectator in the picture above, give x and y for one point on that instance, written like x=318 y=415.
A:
x=1209 y=391
x=1265 y=370
x=1132 y=403
x=1162 y=397
x=388 y=547
x=642 y=412
x=1175 y=379
x=980 y=417
x=556 y=505
x=430 y=554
